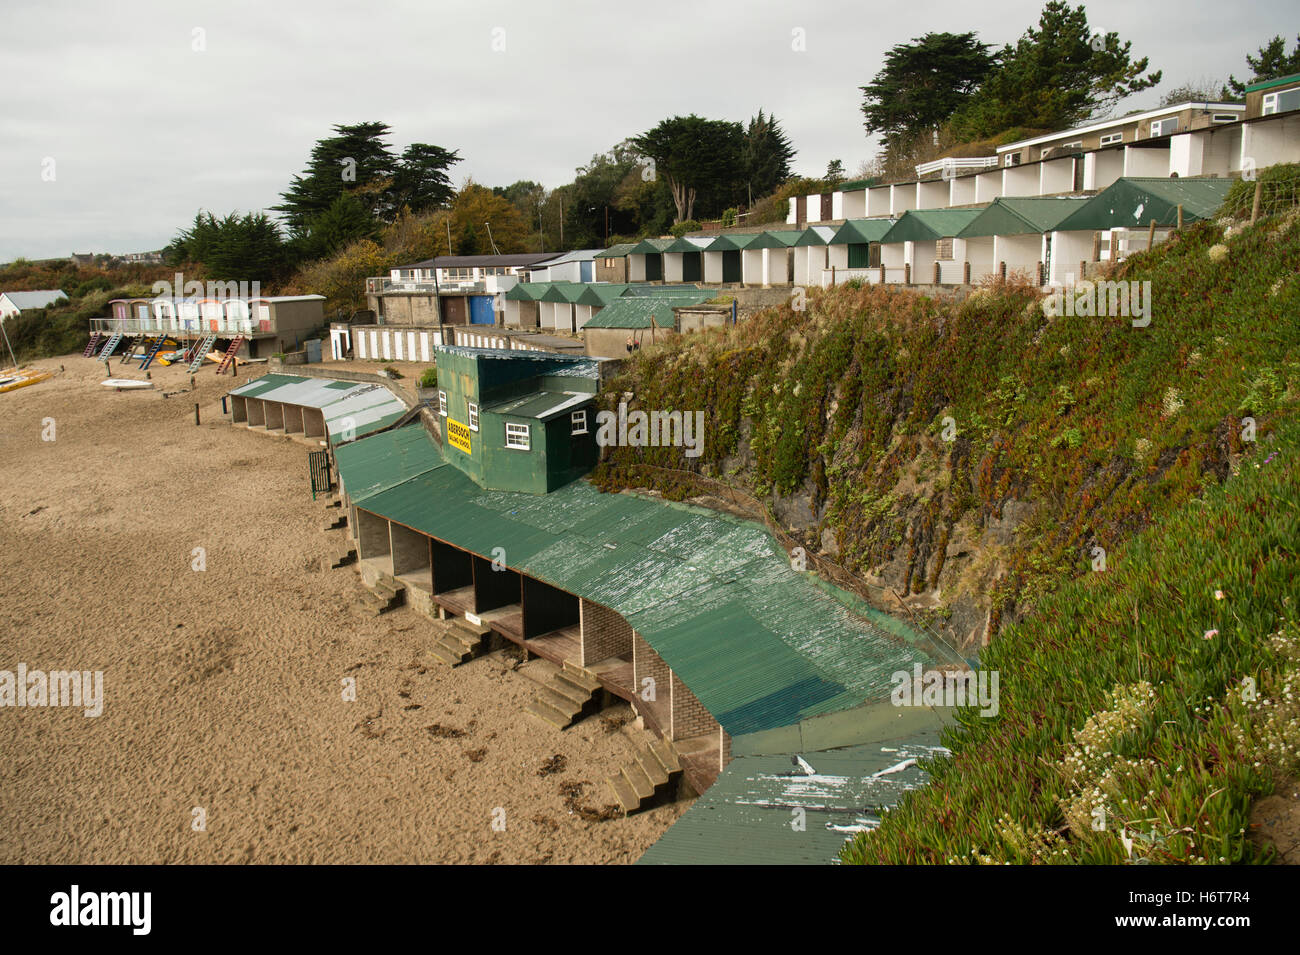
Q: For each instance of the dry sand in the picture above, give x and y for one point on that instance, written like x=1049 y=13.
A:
x=223 y=687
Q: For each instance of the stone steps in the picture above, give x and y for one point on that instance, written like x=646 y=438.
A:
x=456 y=646
x=652 y=772
x=564 y=697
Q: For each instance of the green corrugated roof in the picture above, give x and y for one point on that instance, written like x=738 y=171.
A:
x=1132 y=202
x=926 y=225
x=601 y=295
x=859 y=231
x=650 y=246
x=855 y=184
x=638 y=311
x=261 y=386
x=816 y=235
x=1021 y=216
x=757 y=642
x=386 y=460
x=690 y=244
x=777 y=239
x=564 y=292
x=617 y=251
x=733 y=241
x=660 y=291
x=1269 y=84
x=542 y=405
x=528 y=291
x=745 y=817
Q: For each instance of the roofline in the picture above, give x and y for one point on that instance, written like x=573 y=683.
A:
x=1206 y=106
x=1269 y=84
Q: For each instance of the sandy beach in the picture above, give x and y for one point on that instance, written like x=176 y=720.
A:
x=223 y=686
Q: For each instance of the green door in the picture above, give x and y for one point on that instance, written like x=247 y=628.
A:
x=692 y=267
x=731 y=265
x=654 y=267
x=859 y=255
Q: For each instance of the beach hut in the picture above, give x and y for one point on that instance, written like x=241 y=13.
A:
x=595 y=297
x=770 y=255
x=921 y=248
x=722 y=258
x=1014 y=234
x=854 y=249
x=556 y=307
x=809 y=254
x=684 y=259
x=645 y=262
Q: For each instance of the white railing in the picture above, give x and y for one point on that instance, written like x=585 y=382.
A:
x=950 y=167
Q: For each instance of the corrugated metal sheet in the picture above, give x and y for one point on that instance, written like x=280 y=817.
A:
x=640 y=311
x=733 y=241
x=650 y=246
x=758 y=643
x=1132 y=202
x=748 y=816
x=1021 y=216
x=926 y=225
x=777 y=239
x=386 y=460
x=259 y=386
x=616 y=251
x=693 y=243
x=815 y=235
x=527 y=291
x=859 y=231
x=563 y=292
x=600 y=294
x=541 y=405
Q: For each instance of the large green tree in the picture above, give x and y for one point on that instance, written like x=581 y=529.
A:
x=233 y=248
x=420 y=180
x=356 y=159
x=921 y=84
x=700 y=161
x=767 y=156
x=1056 y=76
x=1272 y=62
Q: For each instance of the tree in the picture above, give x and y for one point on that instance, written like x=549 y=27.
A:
x=767 y=156
x=236 y=248
x=1054 y=77
x=1272 y=62
x=923 y=83
x=344 y=222
x=1203 y=91
x=474 y=211
x=420 y=180
x=834 y=173
x=698 y=160
x=351 y=161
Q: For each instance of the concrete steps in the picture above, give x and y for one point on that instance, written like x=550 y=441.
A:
x=564 y=697
x=459 y=644
x=341 y=557
x=383 y=596
x=652 y=772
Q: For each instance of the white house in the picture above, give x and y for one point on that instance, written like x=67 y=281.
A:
x=13 y=304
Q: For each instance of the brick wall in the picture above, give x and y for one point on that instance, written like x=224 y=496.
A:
x=604 y=633
x=689 y=718
x=615 y=273
x=647 y=663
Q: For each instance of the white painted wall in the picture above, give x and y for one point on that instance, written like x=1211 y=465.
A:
x=1146 y=162
x=933 y=194
x=713 y=267
x=1056 y=175
x=853 y=205
x=1101 y=169
x=979 y=253
x=988 y=185
x=751 y=266
x=902 y=197
x=1068 y=250
x=962 y=191
x=1019 y=181
x=878 y=201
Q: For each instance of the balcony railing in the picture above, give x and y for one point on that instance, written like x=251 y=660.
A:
x=950 y=167
x=180 y=326
x=379 y=284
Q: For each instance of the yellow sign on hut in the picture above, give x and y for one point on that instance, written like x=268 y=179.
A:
x=458 y=435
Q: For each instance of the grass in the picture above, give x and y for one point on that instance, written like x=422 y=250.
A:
x=1150 y=702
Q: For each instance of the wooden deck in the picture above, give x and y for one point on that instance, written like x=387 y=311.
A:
x=507 y=621
x=459 y=601
x=558 y=646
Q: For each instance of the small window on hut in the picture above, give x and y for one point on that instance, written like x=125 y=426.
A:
x=473 y=416
x=579 y=421
x=943 y=250
x=517 y=436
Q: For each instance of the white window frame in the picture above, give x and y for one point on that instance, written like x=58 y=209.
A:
x=1077 y=144
x=1110 y=139
x=1158 y=127
x=1270 y=103
x=442 y=402
x=520 y=430
x=473 y=415
x=1013 y=159
x=578 y=422
x=1223 y=118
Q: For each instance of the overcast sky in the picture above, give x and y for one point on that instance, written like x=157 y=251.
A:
x=144 y=129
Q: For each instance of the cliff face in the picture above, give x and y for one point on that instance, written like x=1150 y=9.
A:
x=965 y=458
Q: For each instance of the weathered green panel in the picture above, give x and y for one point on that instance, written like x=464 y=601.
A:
x=1132 y=202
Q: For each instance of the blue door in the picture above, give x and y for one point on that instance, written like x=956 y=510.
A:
x=585 y=271
x=480 y=310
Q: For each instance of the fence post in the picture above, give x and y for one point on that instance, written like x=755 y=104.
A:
x=965 y=272
x=907 y=273
x=882 y=275
x=1254 y=206
x=1180 y=217
x=936 y=271
x=1096 y=246
x=1002 y=271
x=1083 y=269
x=1151 y=235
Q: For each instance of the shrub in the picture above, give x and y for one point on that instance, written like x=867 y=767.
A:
x=429 y=378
